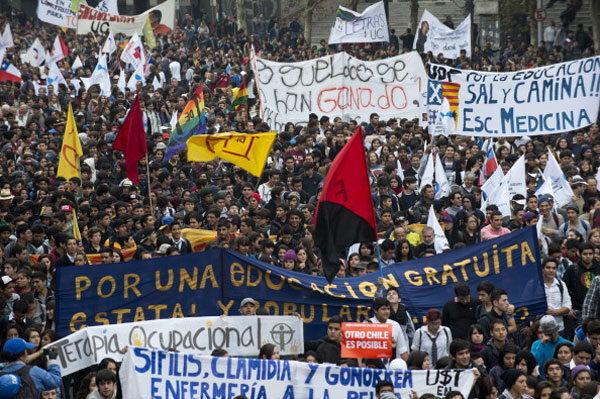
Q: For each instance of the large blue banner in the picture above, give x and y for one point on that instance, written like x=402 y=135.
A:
x=215 y=282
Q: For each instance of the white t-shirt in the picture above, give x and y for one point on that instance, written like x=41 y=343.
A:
x=175 y=68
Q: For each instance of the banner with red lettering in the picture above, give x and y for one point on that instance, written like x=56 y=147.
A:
x=161 y=19
x=367 y=340
x=339 y=85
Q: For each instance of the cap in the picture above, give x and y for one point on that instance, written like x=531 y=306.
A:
x=247 y=301
x=578 y=369
x=161 y=146
x=66 y=208
x=162 y=250
x=144 y=233
x=448 y=218
x=573 y=208
x=519 y=199
x=127 y=183
x=548 y=325
x=17 y=345
x=398 y=364
x=543 y=199
x=290 y=254
x=361 y=265
x=167 y=220
x=527 y=216
x=578 y=180
x=6 y=280
x=9 y=386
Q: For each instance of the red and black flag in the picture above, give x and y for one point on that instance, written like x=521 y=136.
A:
x=345 y=214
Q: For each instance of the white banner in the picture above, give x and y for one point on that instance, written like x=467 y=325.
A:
x=352 y=27
x=162 y=19
x=436 y=37
x=339 y=85
x=548 y=100
x=238 y=335
x=57 y=12
x=158 y=374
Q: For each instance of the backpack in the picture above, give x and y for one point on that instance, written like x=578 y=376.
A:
x=28 y=389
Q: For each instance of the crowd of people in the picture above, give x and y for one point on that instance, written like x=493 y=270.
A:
x=270 y=219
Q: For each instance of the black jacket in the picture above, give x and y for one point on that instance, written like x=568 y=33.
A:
x=327 y=350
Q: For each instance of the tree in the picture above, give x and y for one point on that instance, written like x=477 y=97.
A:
x=308 y=14
x=596 y=23
x=414 y=15
x=240 y=7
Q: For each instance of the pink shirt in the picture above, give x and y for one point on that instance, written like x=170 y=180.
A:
x=488 y=232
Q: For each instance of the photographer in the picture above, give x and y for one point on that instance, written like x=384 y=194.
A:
x=33 y=379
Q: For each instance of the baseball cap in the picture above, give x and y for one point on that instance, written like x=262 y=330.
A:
x=6 y=280
x=246 y=301
x=162 y=250
x=66 y=208
x=519 y=199
x=17 y=345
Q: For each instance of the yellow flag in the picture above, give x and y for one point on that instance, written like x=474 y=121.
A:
x=76 y=231
x=248 y=151
x=149 y=37
x=68 y=163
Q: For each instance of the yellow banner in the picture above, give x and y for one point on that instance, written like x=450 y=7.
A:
x=248 y=151
x=68 y=163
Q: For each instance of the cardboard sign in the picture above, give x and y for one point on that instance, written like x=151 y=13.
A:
x=367 y=340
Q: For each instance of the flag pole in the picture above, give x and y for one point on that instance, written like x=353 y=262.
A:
x=148 y=180
x=379 y=258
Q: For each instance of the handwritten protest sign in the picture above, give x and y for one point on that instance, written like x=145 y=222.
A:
x=161 y=18
x=156 y=374
x=57 y=12
x=339 y=85
x=436 y=37
x=238 y=335
x=367 y=340
x=547 y=100
x=367 y=27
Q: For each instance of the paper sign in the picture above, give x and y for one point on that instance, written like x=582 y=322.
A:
x=367 y=340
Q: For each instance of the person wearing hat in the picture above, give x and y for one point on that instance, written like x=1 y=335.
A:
x=543 y=349
x=516 y=383
x=574 y=223
x=248 y=307
x=8 y=295
x=578 y=185
x=580 y=376
x=33 y=378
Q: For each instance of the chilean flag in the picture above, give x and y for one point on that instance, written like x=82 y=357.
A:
x=59 y=50
x=490 y=164
x=9 y=72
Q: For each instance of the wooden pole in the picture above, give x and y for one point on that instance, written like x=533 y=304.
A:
x=148 y=180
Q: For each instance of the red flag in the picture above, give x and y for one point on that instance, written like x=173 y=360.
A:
x=131 y=140
x=345 y=213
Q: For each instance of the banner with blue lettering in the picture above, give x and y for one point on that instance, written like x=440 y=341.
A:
x=547 y=100
x=215 y=282
x=168 y=375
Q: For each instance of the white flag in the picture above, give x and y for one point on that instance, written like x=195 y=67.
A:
x=442 y=187
x=76 y=64
x=136 y=76
x=427 y=177
x=516 y=178
x=156 y=84
x=109 y=44
x=501 y=197
x=76 y=84
x=444 y=124
x=174 y=120
x=399 y=171
x=59 y=50
x=440 y=243
x=490 y=185
x=54 y=77
x=6 y=40
x=545 y=188
x=121 y=83
x=598 y=179
x=35 y=55
x=133 y=53
x=539 y=225
x=109 y=6
x=562 y=190
x=352 y=27
x=100 y=77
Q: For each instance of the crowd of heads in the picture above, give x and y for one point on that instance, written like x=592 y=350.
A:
x=271 y=218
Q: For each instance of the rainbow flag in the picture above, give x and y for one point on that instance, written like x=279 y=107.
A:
x=344 y=14
x=240 y=95
x=192 y=121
